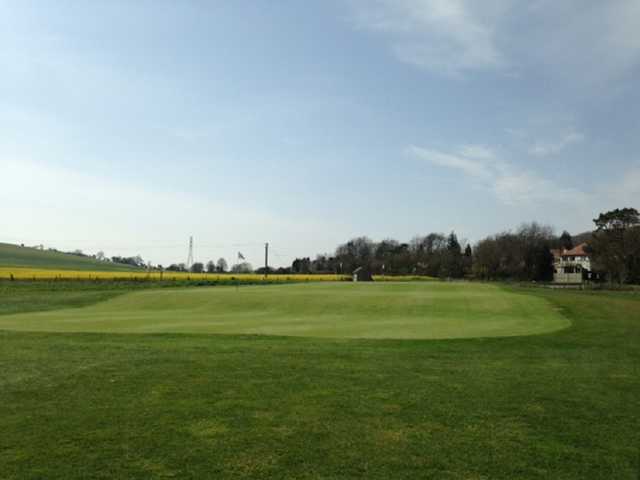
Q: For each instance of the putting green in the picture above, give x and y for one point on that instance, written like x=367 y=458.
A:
x=348 y=310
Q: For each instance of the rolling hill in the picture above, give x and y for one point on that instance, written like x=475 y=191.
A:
x=27 y=257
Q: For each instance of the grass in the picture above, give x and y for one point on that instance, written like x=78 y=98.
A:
x=355 y=310
x=19 y=258
x=39 y=296
x=563 y=405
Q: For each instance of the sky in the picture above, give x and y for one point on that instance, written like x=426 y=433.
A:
x=128 y=126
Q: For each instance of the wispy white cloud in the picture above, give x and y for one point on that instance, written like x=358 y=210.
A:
x=561 y=39
x=479 y=152
x=440 y=35
x=599 y=43
x=469 y=166
x=547 y=148
x=520 y=188
x=509 y=184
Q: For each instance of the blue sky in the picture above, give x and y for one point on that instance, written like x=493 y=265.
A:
x=128 y=126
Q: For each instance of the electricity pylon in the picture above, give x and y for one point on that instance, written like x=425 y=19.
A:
x=190 y=256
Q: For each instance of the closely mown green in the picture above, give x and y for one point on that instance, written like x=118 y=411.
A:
x=354 y=310
x=563 y=405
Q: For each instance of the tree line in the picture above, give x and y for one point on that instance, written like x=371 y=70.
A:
x=524 y=254
x=220 y=266
x=615 y=245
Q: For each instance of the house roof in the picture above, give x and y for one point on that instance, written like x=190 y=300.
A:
x=577 y=251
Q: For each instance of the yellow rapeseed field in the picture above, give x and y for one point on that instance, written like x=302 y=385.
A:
x=19 y=273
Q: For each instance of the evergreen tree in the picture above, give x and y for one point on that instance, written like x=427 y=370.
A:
x=566 y=241
x=452 y=267
x=467 y=261
x=543 y=264
x=615 y=245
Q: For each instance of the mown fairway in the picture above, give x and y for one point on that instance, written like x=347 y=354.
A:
x=561 y=405
x=389 y=310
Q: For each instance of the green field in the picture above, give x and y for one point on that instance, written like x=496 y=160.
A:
x=16 y=256
x=352 y=310
x=563 y=404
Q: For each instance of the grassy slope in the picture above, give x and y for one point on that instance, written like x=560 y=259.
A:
x=41 y=296
x=16 y=256
x=388 y=310
x=563 y=405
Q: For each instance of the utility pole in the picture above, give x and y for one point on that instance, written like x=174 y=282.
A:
x=266 y=258
x=190 y=256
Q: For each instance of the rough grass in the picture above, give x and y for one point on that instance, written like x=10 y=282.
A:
x=564 y=405
x=360 y=310
x=25 y=296
x=44 y=295
x=16 y=256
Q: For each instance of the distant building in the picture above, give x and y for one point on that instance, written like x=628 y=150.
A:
x=362 y=274
x=572 y=266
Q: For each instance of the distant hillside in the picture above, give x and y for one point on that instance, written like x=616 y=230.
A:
x=17 y=256
x=581 y=238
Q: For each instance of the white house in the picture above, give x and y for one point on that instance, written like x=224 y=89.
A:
x=571 y=266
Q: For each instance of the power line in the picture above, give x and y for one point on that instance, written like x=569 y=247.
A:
x=135 y=247
x=89 y=245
